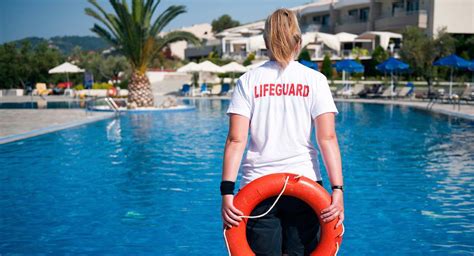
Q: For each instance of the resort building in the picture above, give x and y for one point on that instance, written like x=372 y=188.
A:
x=348 y=28
x=358 y=16
x=202 y=31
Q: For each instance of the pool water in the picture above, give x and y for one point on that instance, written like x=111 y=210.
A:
x=148 y=184
x=42 y=104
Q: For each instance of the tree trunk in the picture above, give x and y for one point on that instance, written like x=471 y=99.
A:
x=139 y=91
x=430 y=85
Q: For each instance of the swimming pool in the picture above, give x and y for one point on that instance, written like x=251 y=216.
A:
x=148 y=184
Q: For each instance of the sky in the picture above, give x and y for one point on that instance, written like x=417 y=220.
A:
x=48 y=18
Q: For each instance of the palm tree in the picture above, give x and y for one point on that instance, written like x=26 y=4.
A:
x=137 y=35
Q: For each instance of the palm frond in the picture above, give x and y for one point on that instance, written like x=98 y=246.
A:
x=176 y=36
x=166 y=17
x=95 y=15
x=134 y=31
x=104 y=34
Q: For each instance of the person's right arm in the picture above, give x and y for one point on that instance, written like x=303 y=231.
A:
x=234 y=149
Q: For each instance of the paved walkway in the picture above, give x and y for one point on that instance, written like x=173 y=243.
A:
x=17 y=124
x=49 y=98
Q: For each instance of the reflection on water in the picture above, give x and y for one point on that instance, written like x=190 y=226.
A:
x=148 y=184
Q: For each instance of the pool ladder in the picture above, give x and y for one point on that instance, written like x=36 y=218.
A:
x=112 y=104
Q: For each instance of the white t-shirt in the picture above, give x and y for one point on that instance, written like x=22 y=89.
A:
x=281 y=106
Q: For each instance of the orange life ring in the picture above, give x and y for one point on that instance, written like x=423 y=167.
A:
x=112 y=92
x=271 y=185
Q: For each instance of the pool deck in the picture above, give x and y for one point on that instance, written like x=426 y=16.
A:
x=18 y=124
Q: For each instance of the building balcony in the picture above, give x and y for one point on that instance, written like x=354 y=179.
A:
x=315 y=28
x=400 y=20
x=354 y=27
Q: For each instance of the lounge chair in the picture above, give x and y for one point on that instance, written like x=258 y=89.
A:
x=375 y=91
x=224 y=89
x=403 y=93
x=42 y=90
x=185 y=90
x=204 y=91
x=216 y=89
x=358 y=89
x=345 y=91
x=387 y=93
x=467 y=94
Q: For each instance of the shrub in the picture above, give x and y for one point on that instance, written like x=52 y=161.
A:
x=79 y=87
x=304 y=55
x=326 y=69
x=102 y=86
x=249 y=59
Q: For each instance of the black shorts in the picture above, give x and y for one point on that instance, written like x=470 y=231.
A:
x=291 y=227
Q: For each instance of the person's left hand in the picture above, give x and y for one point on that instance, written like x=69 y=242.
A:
x=336 y=209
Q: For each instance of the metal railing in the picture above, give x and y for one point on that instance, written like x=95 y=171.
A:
x=114 y=104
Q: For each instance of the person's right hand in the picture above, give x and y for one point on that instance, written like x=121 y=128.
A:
x=230 y=214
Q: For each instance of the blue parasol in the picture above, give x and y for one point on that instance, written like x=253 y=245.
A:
x=309 y=64
x=392 y=65
x=453 y=61
x=349 y=66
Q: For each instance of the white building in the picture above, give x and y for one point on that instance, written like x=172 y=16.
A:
x=358 y=16
x=336 y=27
x=201 y=31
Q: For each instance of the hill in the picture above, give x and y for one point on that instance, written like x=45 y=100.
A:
x=66 y=43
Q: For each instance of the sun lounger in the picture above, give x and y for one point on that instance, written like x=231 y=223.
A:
x=375 y=91
x=204 y=91
x=358 y=89
x=185 y=90
x=345 y=91
x=225 y=89
x=387 y=93
x=41 y=89
x=216 y=89
x=404 y=92
x=467 y=94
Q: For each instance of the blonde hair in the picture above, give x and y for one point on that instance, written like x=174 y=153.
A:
x=282 y=36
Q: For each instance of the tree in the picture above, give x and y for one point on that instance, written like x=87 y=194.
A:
x=223 y=22
x=304 y=55
x=379 y=55
x=465 y=45
x=103 y=67
x=249 y=59
x=420 y=51
x=358 y=52
x=136 y=34
x=26 y=64
x=326 y=69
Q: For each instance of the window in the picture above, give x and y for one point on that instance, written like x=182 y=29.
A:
x=353 y=12
x=413 y=5
x=364 y=14
x=317 y=19
x=397 y=6
x=325 y=20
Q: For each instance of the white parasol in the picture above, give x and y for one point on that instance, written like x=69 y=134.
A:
x=67 y=68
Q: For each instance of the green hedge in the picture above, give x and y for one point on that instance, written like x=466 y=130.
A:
x=95 y=86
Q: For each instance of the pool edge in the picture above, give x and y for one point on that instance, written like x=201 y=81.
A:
x=415 y=105
x=53 y=128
